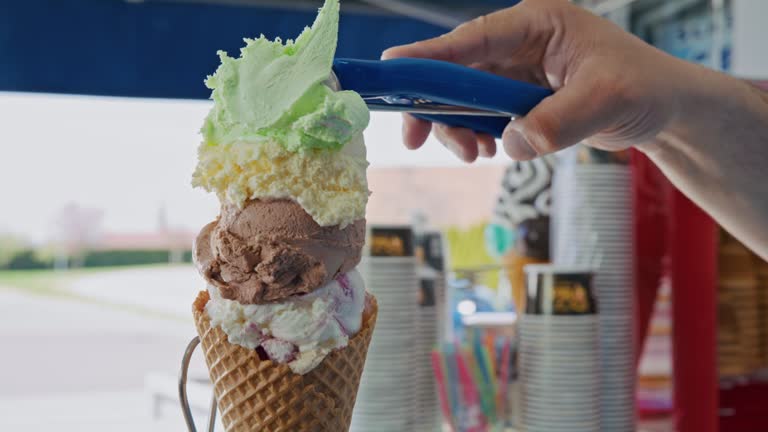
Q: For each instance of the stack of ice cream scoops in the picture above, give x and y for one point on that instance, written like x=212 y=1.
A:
x=286 y=321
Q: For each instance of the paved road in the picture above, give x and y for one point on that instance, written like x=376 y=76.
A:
x=63 y=360
x=92 y=412
x=54 y=345
x=169 y=290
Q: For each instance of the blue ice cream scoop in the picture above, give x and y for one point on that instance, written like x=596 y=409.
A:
x=438 y=91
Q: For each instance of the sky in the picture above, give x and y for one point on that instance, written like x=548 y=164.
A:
x=129 y=157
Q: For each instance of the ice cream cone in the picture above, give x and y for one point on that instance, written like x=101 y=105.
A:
x=261 y=395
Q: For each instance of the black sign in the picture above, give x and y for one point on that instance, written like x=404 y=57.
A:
x=560 y=294
x=390 y=241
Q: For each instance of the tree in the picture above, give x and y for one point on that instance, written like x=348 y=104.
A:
x=10 y=246
x=77 y=229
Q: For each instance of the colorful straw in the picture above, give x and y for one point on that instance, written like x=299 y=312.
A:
x=473 y=381
x=488 y=355
x=502 y=396
x=442 y=388
x=475 y=421
x=483 y=379
x=452 y=374
x=490 y=345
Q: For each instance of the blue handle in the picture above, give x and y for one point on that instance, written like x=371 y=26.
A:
x=493 y=126
x=445 y=83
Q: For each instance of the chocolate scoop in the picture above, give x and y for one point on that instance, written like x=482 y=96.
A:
x=273 y=249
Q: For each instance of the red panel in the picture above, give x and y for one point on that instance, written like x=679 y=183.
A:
x=650 y=213
x=693 y=271
x=744 y=408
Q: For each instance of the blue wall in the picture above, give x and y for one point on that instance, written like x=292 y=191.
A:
x=110 y=47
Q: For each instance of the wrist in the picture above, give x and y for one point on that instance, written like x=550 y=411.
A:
x=704 y=104
x=710 y=100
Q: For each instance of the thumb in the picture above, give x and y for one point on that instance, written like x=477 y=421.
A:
x=569 y=116
x=494 y=35
x=450 y=46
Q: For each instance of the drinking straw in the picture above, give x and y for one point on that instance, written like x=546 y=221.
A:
x=442 y=388
x=469 y=395
x=490 y=366
x=452 y=378
x=480 y=364
x=490 y=346
x=476 y=375
x=490 y=387
x=482 y=379
x=501 y=401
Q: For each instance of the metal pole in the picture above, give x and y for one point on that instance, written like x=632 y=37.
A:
x=185 y=408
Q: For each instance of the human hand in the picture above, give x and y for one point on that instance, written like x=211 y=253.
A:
x=611 y=88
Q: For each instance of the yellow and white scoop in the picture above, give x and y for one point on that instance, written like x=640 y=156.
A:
x=276 y=131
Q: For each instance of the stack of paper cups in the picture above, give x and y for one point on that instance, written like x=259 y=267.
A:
x=559 y=361
x=593 y=226
x=386 y=400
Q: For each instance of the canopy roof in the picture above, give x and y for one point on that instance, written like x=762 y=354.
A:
x=165 y=48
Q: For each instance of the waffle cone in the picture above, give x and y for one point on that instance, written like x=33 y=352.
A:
x=264 y=396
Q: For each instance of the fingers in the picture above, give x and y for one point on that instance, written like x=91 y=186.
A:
x=467 y=145
x=572 y=114
x=518 y=68
x=415 y=131
x=486 y=146
x=473 y=41
x=516 y=145
x=462 y=142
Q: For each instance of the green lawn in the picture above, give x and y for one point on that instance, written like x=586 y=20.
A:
x=54 y=283
x=36 y=281
x=51 y=282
